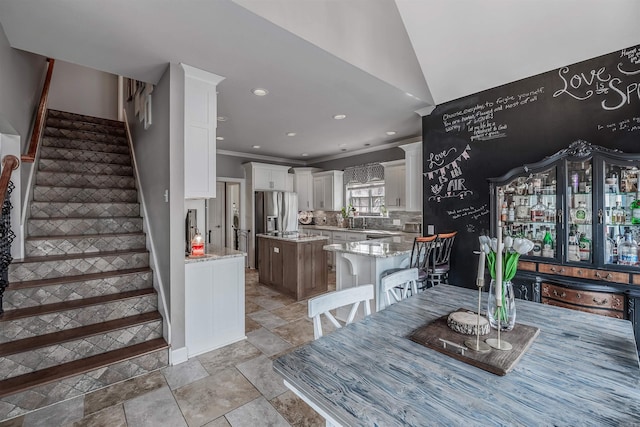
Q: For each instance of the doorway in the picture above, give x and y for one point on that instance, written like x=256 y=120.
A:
x=223 y=215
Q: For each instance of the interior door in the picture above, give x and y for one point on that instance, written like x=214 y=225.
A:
x=216 y=217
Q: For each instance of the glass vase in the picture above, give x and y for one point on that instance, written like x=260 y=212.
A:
x=506 y=314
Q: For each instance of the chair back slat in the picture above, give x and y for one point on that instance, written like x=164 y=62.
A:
x=399 y=285
x=443 y=246
x=323 y=304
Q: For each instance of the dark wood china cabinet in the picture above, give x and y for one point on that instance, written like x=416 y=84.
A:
x=579 y=207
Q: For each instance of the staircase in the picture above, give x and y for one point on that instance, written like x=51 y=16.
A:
x=80 y=309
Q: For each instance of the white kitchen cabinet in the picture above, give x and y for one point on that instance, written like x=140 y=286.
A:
x=394 y=185
x=214 y=304
x=270 y=177
x=303 y=185
x=414 y=177
x=200 y=132
x=328 y=190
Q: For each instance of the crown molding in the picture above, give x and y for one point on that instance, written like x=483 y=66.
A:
x=425 y=111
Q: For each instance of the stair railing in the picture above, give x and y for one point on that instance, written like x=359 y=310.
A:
x=38 y=125
x=9 y=164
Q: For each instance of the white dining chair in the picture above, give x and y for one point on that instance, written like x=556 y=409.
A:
x=323 y=304
x=399 y=285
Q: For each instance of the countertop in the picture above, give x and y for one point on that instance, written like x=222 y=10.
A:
x=581 y=370
x=294 y=237
x=379 y=248
x=212 y=253
x=364 y=231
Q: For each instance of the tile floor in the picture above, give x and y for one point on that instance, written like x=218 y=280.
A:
x=231 y=386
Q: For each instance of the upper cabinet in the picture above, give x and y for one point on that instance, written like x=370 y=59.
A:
x=270 y=177
x=413 y=176
x=328 y=190
x=303 y=185
x=394 y=185
x=200 y=132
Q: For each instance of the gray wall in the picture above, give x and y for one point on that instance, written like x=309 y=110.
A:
x=152 y=156
x=84 y=90
x=229 y=166
x=373 y=157
x=21 y=78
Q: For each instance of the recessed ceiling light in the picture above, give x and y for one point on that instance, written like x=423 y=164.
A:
x=344 y=149
x=291 y=134
x=342 y=145
x=222 y=119
x=259 y=91
x=220 y=138
x=304 y=154
x=367 y=145
x=340 y=116
x=256 y=147
x=390 y=132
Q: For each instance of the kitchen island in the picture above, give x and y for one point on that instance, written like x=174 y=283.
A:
x=214 y=299
x=293 y=263
x=363 y=262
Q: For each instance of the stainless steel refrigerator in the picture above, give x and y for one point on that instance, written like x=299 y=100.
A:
x=276 y=211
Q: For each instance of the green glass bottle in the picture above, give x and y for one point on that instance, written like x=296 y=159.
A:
x=635 y=209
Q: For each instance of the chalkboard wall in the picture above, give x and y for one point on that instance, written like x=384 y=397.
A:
x=486 y=134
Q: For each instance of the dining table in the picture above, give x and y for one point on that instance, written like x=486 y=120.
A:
x=582 y=369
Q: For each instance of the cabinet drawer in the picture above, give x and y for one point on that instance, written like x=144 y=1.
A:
x=601 y=300
x=607 y=276
x=608 y=313
x=526 y=265
x=554 y=269
x=636 y=279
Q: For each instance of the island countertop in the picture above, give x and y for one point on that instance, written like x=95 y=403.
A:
x=294 y=237
x=379 y=248
x=213 y=252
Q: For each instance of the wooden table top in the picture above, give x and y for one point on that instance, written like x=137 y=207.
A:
x=582 y=369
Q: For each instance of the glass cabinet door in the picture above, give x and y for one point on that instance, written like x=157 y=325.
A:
x=621 y=214
x=579 y=205
x=529 y=210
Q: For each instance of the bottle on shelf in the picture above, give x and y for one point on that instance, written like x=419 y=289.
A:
x=504 y=213
x=585 y=247
x=537 y=244
x=580 y=214
x=628 y=250
x=573 y=251
x=635 y=209
x=547 y=245
x=522 y=211
x=617 y=213
x=538 y=211
x=511 y=213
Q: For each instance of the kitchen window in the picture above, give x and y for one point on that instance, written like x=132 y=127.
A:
x=367 y=199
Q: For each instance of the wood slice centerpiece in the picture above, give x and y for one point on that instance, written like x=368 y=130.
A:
x=468 y=323
x=437 y=334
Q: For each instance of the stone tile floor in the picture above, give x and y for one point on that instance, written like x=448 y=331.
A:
x=232 y=386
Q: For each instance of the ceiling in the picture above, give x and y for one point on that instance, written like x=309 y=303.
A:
x=382 y=63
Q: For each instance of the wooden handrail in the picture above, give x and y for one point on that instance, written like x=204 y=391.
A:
x=39 y=123
x=9 y=164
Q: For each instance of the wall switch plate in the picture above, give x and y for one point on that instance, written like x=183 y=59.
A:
x=431 y=229
x=397 y=222
x=276 y=250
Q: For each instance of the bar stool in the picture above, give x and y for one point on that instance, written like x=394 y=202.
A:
x=421 y=253
x=438 y=272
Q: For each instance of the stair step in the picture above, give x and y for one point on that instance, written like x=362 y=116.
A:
x=92 y=243
x=82 y=126
x=67 y=179
x=28 y=322
x=85 y=156
x=82 y=144
x=43 y=193
x=110 y=368
x=38 y=227
x=40 y=352
x=61 y=165
x=32 y=293
x=47 y=267
x=82 y=118
x=84 y=135
x=77 y=210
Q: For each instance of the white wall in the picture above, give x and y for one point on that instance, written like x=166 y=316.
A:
x=83 y=90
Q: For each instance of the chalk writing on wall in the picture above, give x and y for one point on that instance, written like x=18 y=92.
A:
x=627 y=125
x=475 y=212
x=482 y=121
x=445 y=174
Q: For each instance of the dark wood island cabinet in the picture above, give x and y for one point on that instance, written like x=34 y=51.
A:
x=295 y=265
